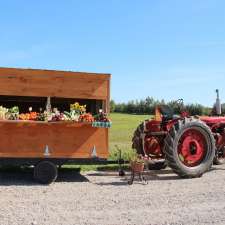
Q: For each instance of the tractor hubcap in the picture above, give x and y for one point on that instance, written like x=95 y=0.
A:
x=192 y=147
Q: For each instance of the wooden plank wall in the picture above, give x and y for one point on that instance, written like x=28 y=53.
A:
x=64 y=140
x=29 y=82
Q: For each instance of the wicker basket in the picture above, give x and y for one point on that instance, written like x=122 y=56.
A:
x=137 y=167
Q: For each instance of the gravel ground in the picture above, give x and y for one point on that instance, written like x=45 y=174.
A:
x=104 y=198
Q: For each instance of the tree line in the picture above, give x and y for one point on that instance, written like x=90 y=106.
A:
x=147 y=106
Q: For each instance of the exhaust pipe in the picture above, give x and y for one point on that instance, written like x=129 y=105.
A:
x=218 y=103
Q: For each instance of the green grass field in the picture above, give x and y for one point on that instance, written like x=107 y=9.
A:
x=121 y=133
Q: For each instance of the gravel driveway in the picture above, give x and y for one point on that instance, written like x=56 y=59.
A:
x=103 y=198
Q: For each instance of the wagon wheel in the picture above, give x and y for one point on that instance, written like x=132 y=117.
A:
x=189 y=148
x=219 y=158
x=45 y=172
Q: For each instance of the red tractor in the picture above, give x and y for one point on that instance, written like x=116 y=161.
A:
x=188 y=145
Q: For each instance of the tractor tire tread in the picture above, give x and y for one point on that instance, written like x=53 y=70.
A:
x=137 y=139
x=169 y=147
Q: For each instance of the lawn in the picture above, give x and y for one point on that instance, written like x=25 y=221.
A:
x=121 y=133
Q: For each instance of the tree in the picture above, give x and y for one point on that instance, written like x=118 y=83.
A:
x=195 y=109
x=112 y=106
x=121 y=107
x=148 y=105
x=131 y=107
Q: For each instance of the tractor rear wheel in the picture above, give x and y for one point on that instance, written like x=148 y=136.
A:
x=189 y=148
x=137 y=141
x=138 y=146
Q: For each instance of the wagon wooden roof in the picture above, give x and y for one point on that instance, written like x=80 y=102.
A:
x=36 y=82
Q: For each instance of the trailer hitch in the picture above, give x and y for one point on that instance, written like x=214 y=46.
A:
x=121 y=162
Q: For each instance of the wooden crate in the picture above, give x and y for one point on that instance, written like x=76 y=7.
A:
x=67 y=140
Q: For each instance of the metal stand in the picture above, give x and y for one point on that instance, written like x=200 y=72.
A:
x=139 y=174
x=120 y=163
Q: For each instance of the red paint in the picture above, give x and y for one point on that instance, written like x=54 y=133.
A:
x=212 y=120
x=153 y=125
x=152 y=146
x=191 y=149
x=184 y=114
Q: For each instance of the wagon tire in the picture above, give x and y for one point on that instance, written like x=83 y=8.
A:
x=45 y=172
x=189 y=148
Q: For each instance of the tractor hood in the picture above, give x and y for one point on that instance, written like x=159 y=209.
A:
x=212 y=119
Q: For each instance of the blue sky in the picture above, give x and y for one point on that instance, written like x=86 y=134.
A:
x=162 y=48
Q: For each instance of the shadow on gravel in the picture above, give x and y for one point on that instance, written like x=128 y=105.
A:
x=119 y=183
x=153 y=175
x=216 y=168
x=23 y=176
x=104 y=174
x=71 y=175
x=112 y=168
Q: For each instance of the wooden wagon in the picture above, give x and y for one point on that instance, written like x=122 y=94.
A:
x=48 y=144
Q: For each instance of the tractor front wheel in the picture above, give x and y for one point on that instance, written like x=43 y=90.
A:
x=189 y=148
x=157 y=165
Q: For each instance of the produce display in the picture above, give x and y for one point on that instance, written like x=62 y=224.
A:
x=77 y=108
x=102 y=117
x=3 y=112
x=29 y=116
x=77 y=113
x=9 y=114
x=101 y=120
x=86 y=117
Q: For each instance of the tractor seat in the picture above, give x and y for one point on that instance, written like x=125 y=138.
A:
x=167 y=112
